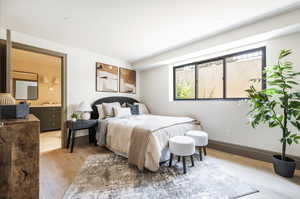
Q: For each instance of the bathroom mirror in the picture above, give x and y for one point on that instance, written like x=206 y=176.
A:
x=25 y=85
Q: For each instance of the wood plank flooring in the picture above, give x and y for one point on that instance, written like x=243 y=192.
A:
x=50 y=141
x=59 y=167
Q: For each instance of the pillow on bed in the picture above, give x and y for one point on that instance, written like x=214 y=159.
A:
x=100 y=111
x=142 y=108
x=108 y=108
x=134 y=109
x=122 y=112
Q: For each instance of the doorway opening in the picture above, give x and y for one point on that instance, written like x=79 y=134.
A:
x=38 y=77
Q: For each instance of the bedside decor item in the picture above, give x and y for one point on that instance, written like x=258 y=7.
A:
x=279 y=106
x=106 y=78
x=127 y=81
x=7 y=98
x=74 y=117
x=85 y=110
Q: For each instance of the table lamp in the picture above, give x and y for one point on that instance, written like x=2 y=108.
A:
x=85 y=110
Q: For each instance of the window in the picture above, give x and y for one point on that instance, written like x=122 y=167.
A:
x=210 y=79
x=185 y=82
x=225 y=77
x=240 y=70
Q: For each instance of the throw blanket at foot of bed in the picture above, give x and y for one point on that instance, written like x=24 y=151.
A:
x=141 y=135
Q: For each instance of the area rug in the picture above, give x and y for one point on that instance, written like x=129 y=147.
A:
x=110 y=177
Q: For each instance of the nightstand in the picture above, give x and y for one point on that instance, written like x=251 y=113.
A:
x=72 y=126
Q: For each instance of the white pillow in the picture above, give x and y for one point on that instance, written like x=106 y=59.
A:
x=143 y=108
x=100 y=111
x=122 y=112
x=108 y=108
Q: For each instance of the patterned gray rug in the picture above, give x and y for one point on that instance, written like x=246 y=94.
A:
x=110 y=177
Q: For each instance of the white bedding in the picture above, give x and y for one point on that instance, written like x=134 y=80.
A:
x=119 y=130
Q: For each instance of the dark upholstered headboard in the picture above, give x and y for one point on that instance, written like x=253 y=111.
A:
x=122 y=100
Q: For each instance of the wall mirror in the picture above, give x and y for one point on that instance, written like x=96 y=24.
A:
x=25 y=85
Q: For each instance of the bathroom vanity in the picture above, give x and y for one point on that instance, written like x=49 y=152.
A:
x=49 y=115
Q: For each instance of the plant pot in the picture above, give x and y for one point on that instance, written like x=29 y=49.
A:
x=285 y=168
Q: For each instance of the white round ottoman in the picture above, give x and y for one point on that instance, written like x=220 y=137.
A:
x=201 y=140
x=182 y=146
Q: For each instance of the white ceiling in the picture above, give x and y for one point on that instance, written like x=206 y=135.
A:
x=132 y=29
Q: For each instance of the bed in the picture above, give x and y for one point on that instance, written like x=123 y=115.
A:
x=143 y=139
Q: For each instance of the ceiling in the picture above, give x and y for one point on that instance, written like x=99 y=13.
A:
x=132 y=29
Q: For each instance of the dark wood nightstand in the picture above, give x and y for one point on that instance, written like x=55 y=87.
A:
x=72 y=126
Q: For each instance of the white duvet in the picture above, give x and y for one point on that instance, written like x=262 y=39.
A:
x=118 y=134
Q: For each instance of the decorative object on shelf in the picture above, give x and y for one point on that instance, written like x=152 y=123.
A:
x=106 y=78
x=85 y=110
x=127 y=81
x=6 y=98
x=74 y=117
x=279 y=106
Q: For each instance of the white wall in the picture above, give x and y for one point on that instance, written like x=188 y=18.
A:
x=224 y=120
x=80 y=69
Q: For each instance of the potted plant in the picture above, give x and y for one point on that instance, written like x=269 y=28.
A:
x=278 y=106
x=74 y=117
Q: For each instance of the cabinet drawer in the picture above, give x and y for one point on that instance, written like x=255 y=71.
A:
x=50 y=117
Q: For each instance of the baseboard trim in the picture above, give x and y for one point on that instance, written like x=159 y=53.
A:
x=257 y=154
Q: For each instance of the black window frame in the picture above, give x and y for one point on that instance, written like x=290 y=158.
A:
x=262 y=49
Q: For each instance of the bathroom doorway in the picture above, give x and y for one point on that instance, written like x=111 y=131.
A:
x=38 y=76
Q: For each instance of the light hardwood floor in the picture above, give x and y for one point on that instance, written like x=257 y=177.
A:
x=50 y=141
x=59 y=167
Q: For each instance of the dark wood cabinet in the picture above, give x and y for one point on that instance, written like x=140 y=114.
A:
x=50 y=117
x=19 y=162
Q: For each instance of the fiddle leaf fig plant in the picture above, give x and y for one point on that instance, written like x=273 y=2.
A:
x=278 y=105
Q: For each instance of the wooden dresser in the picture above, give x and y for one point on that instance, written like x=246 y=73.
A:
x=19 y=158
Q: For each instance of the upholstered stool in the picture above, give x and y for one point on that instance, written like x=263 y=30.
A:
x=201 y=140
x=182 y=146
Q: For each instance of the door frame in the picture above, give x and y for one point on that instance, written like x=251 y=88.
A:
x=63 y=57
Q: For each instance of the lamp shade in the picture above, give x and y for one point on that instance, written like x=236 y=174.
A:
x=7 y=98
x=84 y=107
